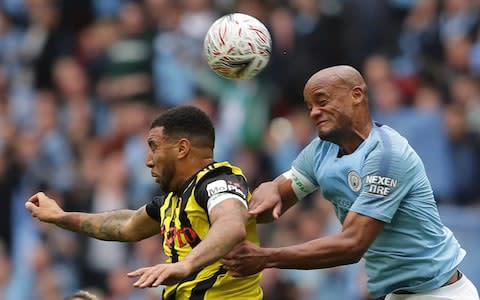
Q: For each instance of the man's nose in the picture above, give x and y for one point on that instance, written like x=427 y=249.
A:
x=315 y=111
x=149 y=161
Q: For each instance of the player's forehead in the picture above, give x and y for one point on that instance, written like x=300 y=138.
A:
x=156 y=134
x=321 y=86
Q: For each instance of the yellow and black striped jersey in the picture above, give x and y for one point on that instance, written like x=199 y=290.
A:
x=184 y=220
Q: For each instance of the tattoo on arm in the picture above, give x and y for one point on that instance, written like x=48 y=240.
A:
x=104 y=226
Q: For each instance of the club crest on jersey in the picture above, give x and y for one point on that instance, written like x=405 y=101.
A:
x=354 y=181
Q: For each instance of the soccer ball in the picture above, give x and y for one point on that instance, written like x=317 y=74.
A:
x=237 y=46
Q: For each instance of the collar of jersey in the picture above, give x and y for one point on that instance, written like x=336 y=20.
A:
x=184 y=186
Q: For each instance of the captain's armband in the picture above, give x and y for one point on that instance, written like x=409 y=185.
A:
x=301 y=185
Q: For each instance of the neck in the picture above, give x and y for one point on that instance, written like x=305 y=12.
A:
x=351 y=140
x=191 y=165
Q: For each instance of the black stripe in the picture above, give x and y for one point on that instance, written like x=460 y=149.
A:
x=199 y=291
x=174 y=255
x=172 y=296
x=186 y=279
x=184 y=220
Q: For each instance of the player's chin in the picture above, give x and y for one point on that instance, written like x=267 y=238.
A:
x=327 y=134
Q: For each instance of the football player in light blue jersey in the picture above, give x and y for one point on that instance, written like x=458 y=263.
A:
x=381 y=195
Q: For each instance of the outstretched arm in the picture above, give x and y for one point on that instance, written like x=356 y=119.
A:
x=118 y=225
x=229 y=219
x=346 y=247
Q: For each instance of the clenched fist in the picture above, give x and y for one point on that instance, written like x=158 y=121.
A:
x=43 y=208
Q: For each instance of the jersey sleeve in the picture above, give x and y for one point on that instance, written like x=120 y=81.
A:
x=303 y=169
x=215 y=188
x=153 y=207
x=387 y=177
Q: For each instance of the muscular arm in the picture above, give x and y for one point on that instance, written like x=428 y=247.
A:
x=229 y=219
x=271 y=199
x=118 y=225
x=347 y=247
x=286 y=193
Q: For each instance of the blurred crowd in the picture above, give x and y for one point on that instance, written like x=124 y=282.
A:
x=80 y=82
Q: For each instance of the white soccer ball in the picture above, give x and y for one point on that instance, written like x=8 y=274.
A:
x=237 y=46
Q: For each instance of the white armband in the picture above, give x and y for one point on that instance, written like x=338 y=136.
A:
x=219 y=198
x=301 y=185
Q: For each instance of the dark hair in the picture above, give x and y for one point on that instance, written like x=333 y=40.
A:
x=187 y=121
x=82 y=295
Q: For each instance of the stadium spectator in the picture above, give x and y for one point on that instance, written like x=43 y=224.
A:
x=465 y=154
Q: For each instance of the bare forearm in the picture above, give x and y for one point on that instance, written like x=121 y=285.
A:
x=347 y=247
x=104 y=226
x=321 y=253
x=273 y=192
x=286 y=193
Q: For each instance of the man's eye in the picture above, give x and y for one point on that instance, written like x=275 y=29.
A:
x=322 y=102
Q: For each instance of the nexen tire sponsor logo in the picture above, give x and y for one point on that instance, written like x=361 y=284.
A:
x=220 y=186
x=380 y=185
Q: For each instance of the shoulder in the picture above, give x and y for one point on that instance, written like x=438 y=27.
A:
x=220 y=178
x=153 y=207
x=318 y=143
x=387 y=150
x=318 y=149
x=312 y=157
x=387 y=141
x=219 y=170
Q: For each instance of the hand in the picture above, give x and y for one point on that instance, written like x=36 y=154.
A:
x=43 y=208
x=245 y=259
x=266 y=203
x=166 y=274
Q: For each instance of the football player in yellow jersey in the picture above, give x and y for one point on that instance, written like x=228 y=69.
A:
x=201 y=217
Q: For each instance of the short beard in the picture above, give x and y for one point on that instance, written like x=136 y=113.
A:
x=167 y=177
x=333 y=136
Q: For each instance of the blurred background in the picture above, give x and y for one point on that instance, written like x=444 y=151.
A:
x=80 y=82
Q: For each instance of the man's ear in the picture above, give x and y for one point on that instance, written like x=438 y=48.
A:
x=184 y=147
x=358 y=94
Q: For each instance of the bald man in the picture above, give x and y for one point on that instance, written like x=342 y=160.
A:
x=381 y=195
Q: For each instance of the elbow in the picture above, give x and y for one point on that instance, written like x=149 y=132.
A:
x=355 y=258
x=242 y=234
x=239 y=233
x=355 y=251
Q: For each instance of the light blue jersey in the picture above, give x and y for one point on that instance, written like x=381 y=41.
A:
x=385 y=179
